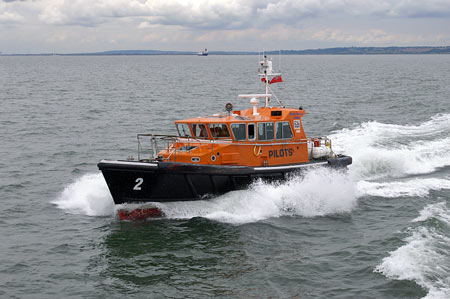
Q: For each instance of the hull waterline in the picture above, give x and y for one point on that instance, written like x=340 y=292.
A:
x=143 y=182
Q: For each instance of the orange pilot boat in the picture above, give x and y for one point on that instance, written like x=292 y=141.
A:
x=216 y=154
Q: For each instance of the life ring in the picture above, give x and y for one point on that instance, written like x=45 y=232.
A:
x=257 y=152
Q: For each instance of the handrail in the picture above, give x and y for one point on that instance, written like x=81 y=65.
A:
x=171 y=142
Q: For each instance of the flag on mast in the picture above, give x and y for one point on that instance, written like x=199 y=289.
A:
x=276 y=79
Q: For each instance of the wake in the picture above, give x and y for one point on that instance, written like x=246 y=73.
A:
x=299 y=196
x=384 y=155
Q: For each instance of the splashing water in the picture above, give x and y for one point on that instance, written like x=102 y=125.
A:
x=414 y=187
x=88 y=195
x=385 y=156
x=318 y=192
x=425 y=256
x=382 y=151
x=301 y=195
x=393 y=161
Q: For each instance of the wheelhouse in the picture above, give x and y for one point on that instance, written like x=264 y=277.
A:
x=239 y=129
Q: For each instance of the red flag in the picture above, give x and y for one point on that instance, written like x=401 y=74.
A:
x=276 y=80
x=263 y=80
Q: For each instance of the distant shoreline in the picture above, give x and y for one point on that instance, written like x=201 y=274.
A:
x=422 y=50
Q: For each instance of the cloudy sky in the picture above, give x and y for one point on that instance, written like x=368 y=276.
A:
x=67 y=26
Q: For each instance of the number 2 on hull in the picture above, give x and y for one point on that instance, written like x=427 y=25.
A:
x=139 y=182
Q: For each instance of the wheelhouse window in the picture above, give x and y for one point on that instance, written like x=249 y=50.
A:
x=265 y=131
x=200 y=130
x=183 y=130
x=219 y=131
x=238 y=131
x=283 y=130
x=251 y=131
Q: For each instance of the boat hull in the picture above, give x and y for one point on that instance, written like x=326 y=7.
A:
x=141 y=182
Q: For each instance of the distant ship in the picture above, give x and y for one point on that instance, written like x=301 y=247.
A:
x=203 y=53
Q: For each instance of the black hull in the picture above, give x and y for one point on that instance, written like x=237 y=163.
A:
x=140 y=182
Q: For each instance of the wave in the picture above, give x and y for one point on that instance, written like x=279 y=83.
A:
x=425 y=257
x=88 y=195
x=300 y=195
x=380 y=151
x=387 y=150
x=437 y=210
x=414 y=187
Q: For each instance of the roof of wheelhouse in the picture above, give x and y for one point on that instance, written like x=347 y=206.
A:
x=247 y=115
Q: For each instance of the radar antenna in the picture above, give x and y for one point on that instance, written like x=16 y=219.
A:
x=267 y=76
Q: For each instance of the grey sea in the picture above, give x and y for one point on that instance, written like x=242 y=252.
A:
x=381 y=230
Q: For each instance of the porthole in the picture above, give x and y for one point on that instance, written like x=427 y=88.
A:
x=213 y=158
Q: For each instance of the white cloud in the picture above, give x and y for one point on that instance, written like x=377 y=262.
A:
x=420 y=9
x=9 y=14
x=189 y=13
x=231 y=14
x=10 y=17
x=173 y=24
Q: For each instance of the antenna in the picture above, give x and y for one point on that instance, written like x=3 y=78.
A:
x=276 y=98
x=279 y=60
x=266 y=74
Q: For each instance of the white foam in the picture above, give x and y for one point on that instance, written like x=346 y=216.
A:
x=413 y=187
x=88 y=195
x=425 y=257
x=436 y=210
x=319 y=192
x=388 y=150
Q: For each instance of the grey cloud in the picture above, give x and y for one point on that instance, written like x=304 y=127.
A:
x=192 y=14
x=222 y=14
x=421 y=9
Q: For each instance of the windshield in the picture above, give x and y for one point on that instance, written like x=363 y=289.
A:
x=238 y=131
x=200 y=130
x=183 y=130
x=284 y=130
x=219 y=130
x=265 y=131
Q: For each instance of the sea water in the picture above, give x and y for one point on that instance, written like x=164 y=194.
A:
x=380 y=230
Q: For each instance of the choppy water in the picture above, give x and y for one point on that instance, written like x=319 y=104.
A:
x=379 y=231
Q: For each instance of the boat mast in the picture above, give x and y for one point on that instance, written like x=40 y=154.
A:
x=266 y=83
x=266 y=73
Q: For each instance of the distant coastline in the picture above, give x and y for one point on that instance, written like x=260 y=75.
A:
x=326 y=51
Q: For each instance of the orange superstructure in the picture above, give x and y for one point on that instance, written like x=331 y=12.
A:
x=274 y=136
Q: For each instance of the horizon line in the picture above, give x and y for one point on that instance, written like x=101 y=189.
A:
x=235 y=52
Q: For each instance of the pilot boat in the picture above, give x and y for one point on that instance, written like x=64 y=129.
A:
x=216 y=154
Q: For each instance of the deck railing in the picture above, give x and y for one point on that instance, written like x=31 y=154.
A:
x=157 y=142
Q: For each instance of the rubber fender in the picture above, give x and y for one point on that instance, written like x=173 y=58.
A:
x=340 y=161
